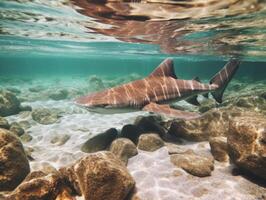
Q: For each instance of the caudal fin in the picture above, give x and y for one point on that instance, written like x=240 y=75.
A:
x=223 y=77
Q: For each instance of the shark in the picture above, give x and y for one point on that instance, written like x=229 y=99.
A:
x=157 y=91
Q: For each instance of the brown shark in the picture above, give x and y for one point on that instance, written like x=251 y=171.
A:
x=158 y=89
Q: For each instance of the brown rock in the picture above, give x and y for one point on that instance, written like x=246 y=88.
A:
x=38 y=186
x=219 y=148
x=247 y=144
x=124 y=149
x=99 y=176
x=213 y=123
x=13 y=161
x=194 y=164
x=150 y=142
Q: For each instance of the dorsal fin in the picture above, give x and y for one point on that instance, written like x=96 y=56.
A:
x=166 y=68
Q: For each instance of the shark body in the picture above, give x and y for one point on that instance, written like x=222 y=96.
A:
x=160 y=88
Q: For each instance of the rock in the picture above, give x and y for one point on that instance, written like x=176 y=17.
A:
x=25 y=108
x=40 y=186
x=60 y=139
x=24 y=124
x=16 y=129
x=131 y=132
x=26 y=137
x=150 y=142
x=13 y=161
x=59 y=95
x=174 y=149
x=213 y=123
x=247 y=144
x=45 y=116
x=150 y=124
x=9 y=104
x=194 y=164
x=99 y=176
x=219 y=148
x=124 y=149
x=4 y=123
x=96 y=83
x=36 y=88
x=206 y=105
x=100 y=142
x=13 y=90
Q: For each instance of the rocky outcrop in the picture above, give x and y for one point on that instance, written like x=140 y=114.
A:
x=247 y=144
x=41 y=186
x=100 y=142
x=194 y=164
x=124 y=149
x=150 y=142
x=99 y=176
x=219 y=148
x=213 y=123
x=45 y=116
x=13 y=161
x=9 y=104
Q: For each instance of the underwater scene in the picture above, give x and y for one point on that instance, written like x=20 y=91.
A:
x=132 y=100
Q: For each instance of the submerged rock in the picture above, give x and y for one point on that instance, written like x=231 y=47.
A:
x=219 y=148
x=45 y=116
x=9 y=104
x=26 y=137
x=194 y=164
x=16 y=129
x=150 y=142
x=13 y=161
x=247 y=144
x=99 y=176
x=40 y=186
x=150 y=124
x=213 y=123
x=60 y=139
x=59 y=95
x=25 y=108
x=131 y=132
x=96 y=83
x=100 y=142
x=4 y=123
x=24 y=124
x=124 y=149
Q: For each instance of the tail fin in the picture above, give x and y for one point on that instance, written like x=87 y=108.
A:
x=223 y=77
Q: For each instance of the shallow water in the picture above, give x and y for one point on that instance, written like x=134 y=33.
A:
x=81 y=47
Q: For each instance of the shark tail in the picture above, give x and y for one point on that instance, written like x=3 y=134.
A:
x=223 y=77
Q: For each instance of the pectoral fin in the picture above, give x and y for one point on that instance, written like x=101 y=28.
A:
x=193 y=100
x=170 y=112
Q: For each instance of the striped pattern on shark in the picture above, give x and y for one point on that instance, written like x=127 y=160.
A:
x=160 y=87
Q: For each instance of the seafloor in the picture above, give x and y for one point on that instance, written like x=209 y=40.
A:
x=55 y=130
